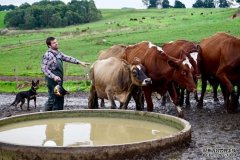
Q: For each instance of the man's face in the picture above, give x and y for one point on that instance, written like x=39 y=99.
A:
x=54 y=45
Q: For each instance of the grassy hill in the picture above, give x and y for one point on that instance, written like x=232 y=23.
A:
x=22 y=50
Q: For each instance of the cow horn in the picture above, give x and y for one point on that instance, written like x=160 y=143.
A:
x=136 y=61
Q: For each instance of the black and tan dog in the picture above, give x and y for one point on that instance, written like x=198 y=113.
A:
x=29 y=95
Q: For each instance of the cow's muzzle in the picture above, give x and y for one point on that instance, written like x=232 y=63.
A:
x=147 y=81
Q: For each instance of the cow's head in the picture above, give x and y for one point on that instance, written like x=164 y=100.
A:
x=137 y=73
x=194 y=59
x=182 y=73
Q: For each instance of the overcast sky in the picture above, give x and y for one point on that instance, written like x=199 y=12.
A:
x=114 y=4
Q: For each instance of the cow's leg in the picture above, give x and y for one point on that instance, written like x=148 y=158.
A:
x=196 y=94
x=180 y=96
x=173 y=94
x=224 y=79
x=102 y=103
x=129 y=96
x=93 y=98
x=138 y=97
x=122 y=105
x=187 y=101
x=164 y=100
x=148 y=97
x=229 y=87
x=233 y=102
x=228 y=104
x=111 y=99
x=204 y=86
x=224 y=91
x=215 y=87
x=238 y=93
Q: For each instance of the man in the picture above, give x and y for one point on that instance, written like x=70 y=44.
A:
x=52 y=67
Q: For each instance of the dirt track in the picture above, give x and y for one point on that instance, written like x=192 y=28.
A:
x=215 y=134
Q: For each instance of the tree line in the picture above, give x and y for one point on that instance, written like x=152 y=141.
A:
x=47 y=14
x=7 y=7
x=197 y=4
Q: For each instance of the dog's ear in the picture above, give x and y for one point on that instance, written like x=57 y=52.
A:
x=37 y=82
x=32 y=82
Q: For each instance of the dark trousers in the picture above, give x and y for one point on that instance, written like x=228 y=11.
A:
x=53 y=102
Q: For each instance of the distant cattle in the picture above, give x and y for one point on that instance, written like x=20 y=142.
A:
x=234 y=16
x=163 y=70
x=190 y=49
x=114 y=79
x=220 y=59
x=133 y=19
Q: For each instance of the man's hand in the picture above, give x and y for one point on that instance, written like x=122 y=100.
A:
x=56 y=79
x=84 y=64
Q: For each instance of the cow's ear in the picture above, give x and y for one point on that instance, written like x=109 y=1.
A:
x=126 y=65
x=173 y=64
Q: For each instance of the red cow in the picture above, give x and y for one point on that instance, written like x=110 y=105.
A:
x=163 y=70
x=220 y=59
x=190 y=49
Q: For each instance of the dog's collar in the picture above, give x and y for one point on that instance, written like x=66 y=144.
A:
x=32 y=89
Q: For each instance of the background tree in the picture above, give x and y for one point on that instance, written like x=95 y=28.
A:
x=209 y=4
x=7 y=7
x=152 y=3
x=198 y=4
x=165 y=4
x=24 y=6
x=179 y=4
x=223 y=4
x=238 y=1
x=48 y=13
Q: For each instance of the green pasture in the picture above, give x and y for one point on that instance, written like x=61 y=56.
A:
x=21 y=51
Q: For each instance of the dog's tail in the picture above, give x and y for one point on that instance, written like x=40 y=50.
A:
x=13 y=103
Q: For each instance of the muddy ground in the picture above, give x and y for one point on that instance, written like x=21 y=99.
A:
x=215 y=134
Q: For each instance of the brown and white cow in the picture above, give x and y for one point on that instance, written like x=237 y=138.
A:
x=163 y=70
x=176 y=49
x=114 y=79
x=220 y=59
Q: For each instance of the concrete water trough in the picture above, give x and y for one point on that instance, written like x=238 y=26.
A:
x=24 y=145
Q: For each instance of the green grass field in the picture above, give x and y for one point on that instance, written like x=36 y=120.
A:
x=22 y=50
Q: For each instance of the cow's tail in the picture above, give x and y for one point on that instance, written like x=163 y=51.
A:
x=91 y=74
x=199 y=50
x=93 y=98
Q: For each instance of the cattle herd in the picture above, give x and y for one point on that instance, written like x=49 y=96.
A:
x=139 y=70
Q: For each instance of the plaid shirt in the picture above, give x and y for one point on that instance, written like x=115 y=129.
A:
x=49 y=61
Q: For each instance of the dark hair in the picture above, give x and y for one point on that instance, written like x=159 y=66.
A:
x=49 y=40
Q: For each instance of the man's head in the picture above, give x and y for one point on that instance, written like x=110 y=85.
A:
x=52 y=43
